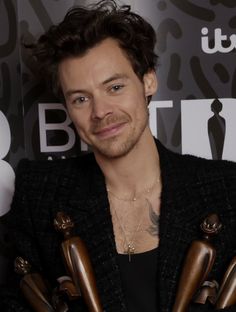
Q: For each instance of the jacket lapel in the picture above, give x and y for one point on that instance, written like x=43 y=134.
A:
x=90 y=211
x=190 y=193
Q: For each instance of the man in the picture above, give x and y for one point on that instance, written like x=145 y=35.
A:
x=136 y=205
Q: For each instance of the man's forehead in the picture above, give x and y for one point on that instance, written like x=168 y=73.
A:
x=96 y=65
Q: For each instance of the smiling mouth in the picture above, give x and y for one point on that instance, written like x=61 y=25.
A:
x=110 y=131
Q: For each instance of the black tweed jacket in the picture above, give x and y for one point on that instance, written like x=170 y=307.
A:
x=192 y=188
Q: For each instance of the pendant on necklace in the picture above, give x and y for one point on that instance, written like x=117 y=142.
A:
x=130 y=251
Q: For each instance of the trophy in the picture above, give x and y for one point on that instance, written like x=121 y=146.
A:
x=193 y=285
x=35 y=289
x=78 y=263
x=79 y=282
x=227 y=292
x=198 y=263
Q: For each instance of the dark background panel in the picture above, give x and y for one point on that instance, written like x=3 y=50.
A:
x=196 y=73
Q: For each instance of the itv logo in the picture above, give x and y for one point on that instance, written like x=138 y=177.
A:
x=219 y=39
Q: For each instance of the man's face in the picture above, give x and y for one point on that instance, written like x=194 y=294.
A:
x=105 y=98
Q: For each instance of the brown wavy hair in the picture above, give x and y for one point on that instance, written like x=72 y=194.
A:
x=84 y=27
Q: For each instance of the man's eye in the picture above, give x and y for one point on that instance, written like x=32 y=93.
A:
x=80 y=100
x=116 y=88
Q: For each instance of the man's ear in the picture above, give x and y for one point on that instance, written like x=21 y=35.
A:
x=150 y=83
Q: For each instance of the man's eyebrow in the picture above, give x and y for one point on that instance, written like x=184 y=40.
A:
x=71 y=92
x=110 y=79
x=114 y=77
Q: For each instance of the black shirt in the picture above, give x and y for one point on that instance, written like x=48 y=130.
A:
x=139 y=280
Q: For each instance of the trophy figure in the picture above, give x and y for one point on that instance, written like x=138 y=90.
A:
x=227 y=293
x=34 y=288
x=198 y=263
x=77 y=262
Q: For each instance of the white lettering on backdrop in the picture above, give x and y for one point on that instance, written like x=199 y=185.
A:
x=195 y=116
x=44 y=127
x=7 y=175
x=218 y=42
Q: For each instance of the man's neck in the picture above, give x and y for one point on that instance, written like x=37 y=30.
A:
x=135 y=171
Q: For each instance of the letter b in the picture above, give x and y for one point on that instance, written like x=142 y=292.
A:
x=63 y=126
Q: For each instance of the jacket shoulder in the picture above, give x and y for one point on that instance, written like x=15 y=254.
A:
x=194 y=165
x=210 y=167
x=43 y=169
x=46 y=181
x=43 y=166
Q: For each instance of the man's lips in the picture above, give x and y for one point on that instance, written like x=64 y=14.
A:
x=110 y=130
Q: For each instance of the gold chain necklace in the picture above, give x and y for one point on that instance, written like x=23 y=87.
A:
x=137 y=196
x=129 y=247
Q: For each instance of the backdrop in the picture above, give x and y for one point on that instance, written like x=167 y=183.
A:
x=193 y=111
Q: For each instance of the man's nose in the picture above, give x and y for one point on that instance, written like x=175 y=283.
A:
x=101 y=108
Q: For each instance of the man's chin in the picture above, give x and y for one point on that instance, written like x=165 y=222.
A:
x=113 y=150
